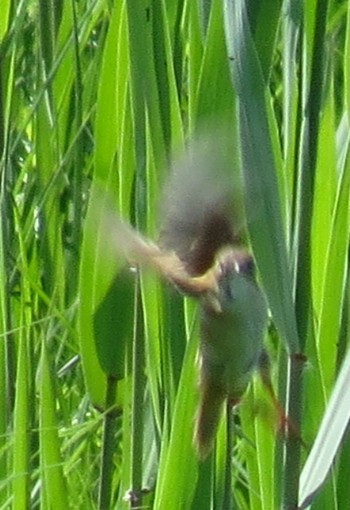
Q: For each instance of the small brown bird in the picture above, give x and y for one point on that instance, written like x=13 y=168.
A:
x=200 y=252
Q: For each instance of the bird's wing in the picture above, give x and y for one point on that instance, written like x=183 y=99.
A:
x=201 y=205
x=137 y=249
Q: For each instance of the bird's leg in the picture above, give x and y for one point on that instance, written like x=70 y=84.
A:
x=286 y=425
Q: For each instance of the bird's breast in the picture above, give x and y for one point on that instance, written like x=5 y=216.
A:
x=232 y=338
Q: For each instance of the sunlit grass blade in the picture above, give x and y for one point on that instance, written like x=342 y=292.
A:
x=94 y=289
x=5 y=18
x=334 y=283
x=264 y=213
x=178 y=463
x=21 y=426
x=54 y=487
x=259 y=170
x=334 y=423
x=346 y=60
x=214 y=96
x=25 y=386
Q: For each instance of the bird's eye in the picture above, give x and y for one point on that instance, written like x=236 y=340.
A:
x=247 y=266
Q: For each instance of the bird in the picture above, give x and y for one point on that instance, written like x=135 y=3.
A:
x=202 y=252
x=231 y=342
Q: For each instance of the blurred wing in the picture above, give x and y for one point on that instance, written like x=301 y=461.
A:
x=200 y=208
x=137 y=249
x=202 y=211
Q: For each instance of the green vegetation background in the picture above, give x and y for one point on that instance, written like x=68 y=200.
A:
x=98 y=385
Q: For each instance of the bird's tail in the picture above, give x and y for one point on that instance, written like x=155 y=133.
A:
x=208 y=417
